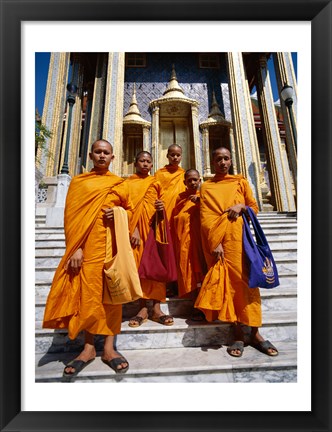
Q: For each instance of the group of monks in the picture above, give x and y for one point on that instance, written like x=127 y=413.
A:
x=206 y=230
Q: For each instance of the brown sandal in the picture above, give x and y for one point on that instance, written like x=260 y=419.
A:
x=264 y=347
x=162 y=320
x=138 y=321
x=236 y=346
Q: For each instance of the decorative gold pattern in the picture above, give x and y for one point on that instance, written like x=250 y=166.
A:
x=279 y=172
x=245 y=139
x=54 y=107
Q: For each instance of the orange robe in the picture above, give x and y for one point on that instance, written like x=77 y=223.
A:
x=187 y=243
x=75 y=301
x=143 y=194
x=171 y=180
x=225 y=294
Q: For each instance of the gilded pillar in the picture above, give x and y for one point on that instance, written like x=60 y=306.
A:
x=282 y=196
x=113 y=116
x=146 y=138
x=155 y=137
x=284 y=70
x=85 y=138
x=206 y=153
x=290 y=184
x=98 y=102
x=197 y=147
x=75 y=135
x=53 y=111
x=233 y=154
x=245 y=139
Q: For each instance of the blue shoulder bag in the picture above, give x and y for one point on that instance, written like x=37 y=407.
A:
x=263 y=271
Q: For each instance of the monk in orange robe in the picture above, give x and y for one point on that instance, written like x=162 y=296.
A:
x=188 y=246
x=75 y=298
x=171 y=179
x=225 y=294
x=146 y=196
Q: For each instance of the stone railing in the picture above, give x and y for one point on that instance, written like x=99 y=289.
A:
x=51 y=195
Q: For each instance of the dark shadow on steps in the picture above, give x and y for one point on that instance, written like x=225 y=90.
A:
x=199 y=334
x=66 y=349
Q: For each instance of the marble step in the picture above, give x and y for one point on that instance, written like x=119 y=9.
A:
x=209 y=364
x=270 y=233
x=40 y=221
x=47 y=273
x=42 y=286
x=276 y=302
x=46 y=260
x=287 y=288
x=41 y=252
x=43 y=255
x=267 y=216
x=266 y=225
x=278 y=299
x=277 y=326
x=277 y=243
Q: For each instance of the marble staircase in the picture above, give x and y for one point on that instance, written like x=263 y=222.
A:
x=188 y=351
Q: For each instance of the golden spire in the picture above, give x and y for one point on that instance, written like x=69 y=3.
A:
x=215 y=112
x=215 y=116
x=133 y=114
x=133 y=110
x=173 y=88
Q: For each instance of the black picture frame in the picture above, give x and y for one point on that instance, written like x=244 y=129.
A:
x=13 y=12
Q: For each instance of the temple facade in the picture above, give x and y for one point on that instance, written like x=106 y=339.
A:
x=149 y=101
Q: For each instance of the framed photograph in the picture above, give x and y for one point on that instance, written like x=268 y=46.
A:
x=155 y=407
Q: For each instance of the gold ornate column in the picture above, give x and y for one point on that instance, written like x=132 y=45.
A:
x=246 y=146
x=53 y=111
x=215 y=129
x=98 y=102
x=290 y=184
x=113 y=116
x=155 y=136
x=284 y=70
x=75 y=135
x=146 y=137
x=206 y=153
x=135 y=135
x=282 y=196
x=232 y=146
x=197 y=147
x=88 y=97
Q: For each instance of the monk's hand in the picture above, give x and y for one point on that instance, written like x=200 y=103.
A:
x=75 y=261
x=135 y=238
x=109 y=213
x=194 y=198
x=218 y=253
x=235 y=211
x=159 y=205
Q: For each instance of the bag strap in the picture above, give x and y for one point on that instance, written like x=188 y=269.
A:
x=120 y=229
x=259 y=234
x=247 y=231
x=160 y=226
